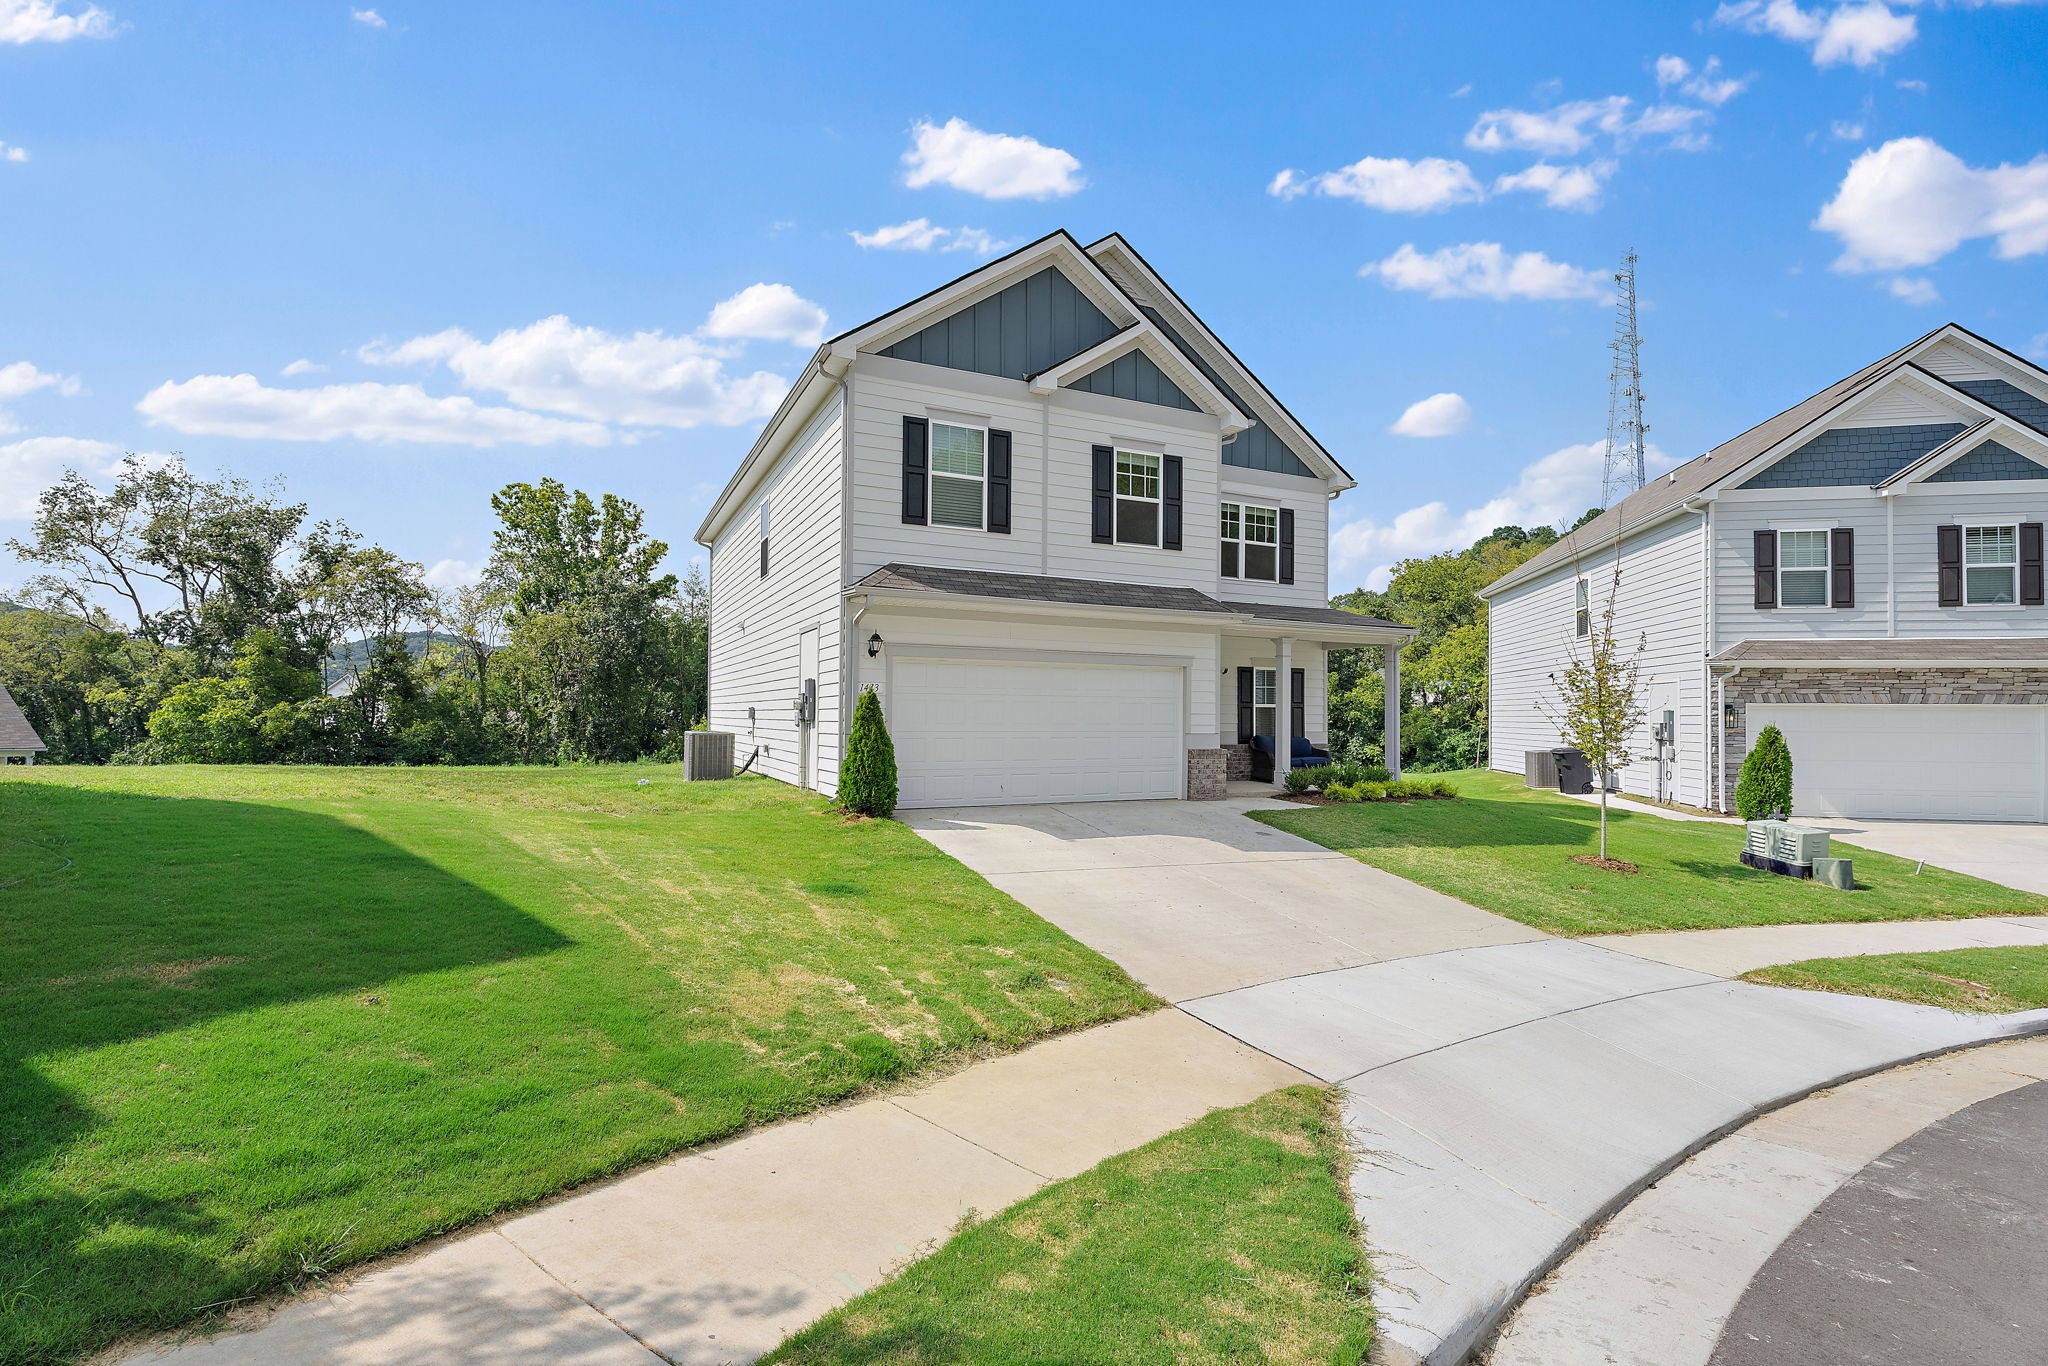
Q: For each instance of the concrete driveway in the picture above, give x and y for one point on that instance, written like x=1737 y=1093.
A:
x=2011 y=855
x=1193 y=899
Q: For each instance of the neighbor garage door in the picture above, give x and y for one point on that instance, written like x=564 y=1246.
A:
x=1912 y=762
x=969 y=732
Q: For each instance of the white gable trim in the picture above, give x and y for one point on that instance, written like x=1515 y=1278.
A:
x=1124 y=258
x=1143 y=336
x=1058 y=249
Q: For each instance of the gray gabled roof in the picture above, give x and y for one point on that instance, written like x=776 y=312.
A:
x=1315 y=616
x=16 y=734
x=1983 y=650
x=985 y=583
x=1699 y=474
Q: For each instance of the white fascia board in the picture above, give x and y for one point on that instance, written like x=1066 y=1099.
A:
x=1224 y=359
x=797 y=408
x=1143 y=336
x=976 y=285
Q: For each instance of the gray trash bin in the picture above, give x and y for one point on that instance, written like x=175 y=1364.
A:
x=1574 y=774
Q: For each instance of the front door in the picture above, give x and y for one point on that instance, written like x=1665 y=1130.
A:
x=807 y=719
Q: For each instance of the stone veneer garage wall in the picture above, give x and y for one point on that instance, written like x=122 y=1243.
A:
x=1950 y=687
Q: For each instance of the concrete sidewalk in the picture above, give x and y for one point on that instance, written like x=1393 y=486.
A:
x=717 y=1255
x=1656 y=1286
x=1732 y=952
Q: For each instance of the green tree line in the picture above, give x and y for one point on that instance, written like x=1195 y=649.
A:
x=181 y=619
x=1443 y=666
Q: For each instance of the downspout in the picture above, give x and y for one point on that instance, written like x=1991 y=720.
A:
x=1707 y=636
x=1891 y=566
x=1044 y=484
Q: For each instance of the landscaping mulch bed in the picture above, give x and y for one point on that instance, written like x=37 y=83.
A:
x=1612 y=865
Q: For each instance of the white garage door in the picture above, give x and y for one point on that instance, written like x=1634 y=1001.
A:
x=1912 y=762
x=973 y=732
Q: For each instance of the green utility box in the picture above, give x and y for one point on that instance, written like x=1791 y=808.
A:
x=1785 y=848
x=1835 y=872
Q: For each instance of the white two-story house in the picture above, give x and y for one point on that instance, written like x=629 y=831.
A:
x=1077 y=548
x=1863 y=571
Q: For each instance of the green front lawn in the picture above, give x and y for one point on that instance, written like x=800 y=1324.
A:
x=1229 y=1240
x=1508 y=849
x=255 y=1021
x=1992 y=981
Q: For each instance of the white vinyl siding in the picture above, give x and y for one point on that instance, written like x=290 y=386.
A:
x=1740 y=515
x=1311 y=510
x=1532 y=627
x=757 y=620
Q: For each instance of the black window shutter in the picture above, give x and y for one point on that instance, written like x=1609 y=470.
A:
x=1842 y=567
x=916 y=466
x=999 y=482
x=2030 y=565
x=1104 y=529
x=1298 y=695
x=1246 y=723
x=1169 y=509
x=1765 y=561
x=1948 y=548
x=1287 y=545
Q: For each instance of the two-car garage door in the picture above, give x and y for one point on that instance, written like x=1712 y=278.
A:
x=1912 y=762
x=969 y=732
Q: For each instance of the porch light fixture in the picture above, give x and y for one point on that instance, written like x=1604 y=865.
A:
x=874 y=645
x=1731 y=714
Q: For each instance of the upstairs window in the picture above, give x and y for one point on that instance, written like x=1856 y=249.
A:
x=1251 y=542
x=1137 y=498
x=1582 y=614
x=764 y=538
x=1803 y=568
x=959 y=475
x=1991 y=565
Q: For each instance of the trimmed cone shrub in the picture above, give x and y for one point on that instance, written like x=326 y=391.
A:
x=1766 y=782
x=867 y=777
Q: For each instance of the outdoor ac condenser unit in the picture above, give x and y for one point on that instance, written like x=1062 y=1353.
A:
x=707 y=755
x=1539 y=769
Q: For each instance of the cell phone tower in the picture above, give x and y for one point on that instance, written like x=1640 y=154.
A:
x=1624 y=473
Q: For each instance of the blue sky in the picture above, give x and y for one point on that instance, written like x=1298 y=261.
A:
x=402 y=256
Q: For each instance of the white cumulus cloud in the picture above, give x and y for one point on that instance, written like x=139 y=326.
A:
x=1555 y=490
x=1562 y=187
x=1437 y=415
x=10 y=152
x=453 y=573
x=1486 y=270
x=767 y=312
x=1916 y=290
x=28 y=467
x=369 y=18
x=1570 y=128
x=992 y=165
x=648 y=379
x=1912 y=201
x=1393 y=184
x=921 y=234
x=243 y=406
x=1861 y=34
x=23 y=377
x=44 y=21
x=302 y=366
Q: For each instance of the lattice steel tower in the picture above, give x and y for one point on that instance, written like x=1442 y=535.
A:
x=1624 y=474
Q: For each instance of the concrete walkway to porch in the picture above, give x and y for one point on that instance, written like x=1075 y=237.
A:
x=1508 y=1089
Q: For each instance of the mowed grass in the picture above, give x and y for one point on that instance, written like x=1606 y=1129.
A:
x=1508 y=849
x=1230 y=1240
x=1992 y=981
x=255 y=1023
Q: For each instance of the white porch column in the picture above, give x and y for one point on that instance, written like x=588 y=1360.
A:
x=1392 y=670
x=1283 y=709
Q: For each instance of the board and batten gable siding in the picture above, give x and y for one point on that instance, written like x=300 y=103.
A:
x=757 y=623
x=1531 y=638
x=1016 y=332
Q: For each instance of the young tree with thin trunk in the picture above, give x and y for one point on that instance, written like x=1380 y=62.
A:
x=1600 y=697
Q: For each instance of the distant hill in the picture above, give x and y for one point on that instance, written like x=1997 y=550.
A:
x=355 y=654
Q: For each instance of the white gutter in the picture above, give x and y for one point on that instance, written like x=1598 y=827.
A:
x=1039 y=607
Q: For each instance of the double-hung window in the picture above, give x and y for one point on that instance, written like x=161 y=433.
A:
x=1137 y=498
x=1803 y=568
x=959 y=475
x=1991 y=565
x=1265 y=701
x=1251 y=542
x=1582 y=613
